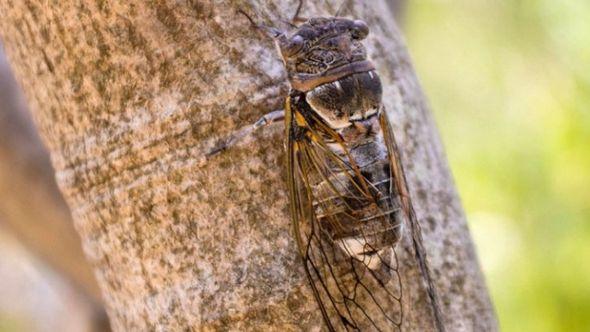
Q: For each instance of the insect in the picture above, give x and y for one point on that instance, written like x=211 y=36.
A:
x=349 y=198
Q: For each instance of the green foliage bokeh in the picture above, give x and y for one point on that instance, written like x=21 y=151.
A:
x=509 y=84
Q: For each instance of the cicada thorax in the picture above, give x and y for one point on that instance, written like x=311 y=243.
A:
x=355 y=205
x=348 y=100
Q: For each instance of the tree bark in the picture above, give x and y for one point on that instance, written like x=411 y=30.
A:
x=129 y=96
x=398 y=8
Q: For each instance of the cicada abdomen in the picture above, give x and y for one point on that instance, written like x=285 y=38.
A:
x=368 y=213
x=354 y=201
x=347 y=210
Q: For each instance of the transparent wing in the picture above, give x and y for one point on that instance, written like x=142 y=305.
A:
x=399 y=181
x=342 y=223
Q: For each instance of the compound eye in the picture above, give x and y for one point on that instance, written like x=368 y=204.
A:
x=294 y=46
x=360 y=29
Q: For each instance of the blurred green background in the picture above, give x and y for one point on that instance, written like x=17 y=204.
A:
x=509 y=84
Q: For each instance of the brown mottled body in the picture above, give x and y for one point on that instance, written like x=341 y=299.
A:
x=349 y=103
x=349 y=198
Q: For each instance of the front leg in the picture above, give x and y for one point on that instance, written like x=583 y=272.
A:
x=234 y=138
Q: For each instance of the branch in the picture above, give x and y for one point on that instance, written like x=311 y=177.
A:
x=130 y=96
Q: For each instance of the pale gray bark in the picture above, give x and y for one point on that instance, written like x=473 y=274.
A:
x=129 y=96
x=398 y=8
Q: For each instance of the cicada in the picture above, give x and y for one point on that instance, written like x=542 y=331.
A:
x=349 y=198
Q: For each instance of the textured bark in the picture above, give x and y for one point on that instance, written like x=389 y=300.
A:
x=130 y=95
x=398 y=8
x=31 y=206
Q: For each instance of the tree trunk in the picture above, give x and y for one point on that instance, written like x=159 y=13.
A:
x=398 y=8
x=129 y=96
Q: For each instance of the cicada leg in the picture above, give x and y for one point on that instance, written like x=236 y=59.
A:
x=233 y=139
x=296 y=18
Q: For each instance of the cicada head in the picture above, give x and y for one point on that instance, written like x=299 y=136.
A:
x=323 y=48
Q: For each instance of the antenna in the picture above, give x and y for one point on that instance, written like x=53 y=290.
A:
x=296 y=17
x=271 y=31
